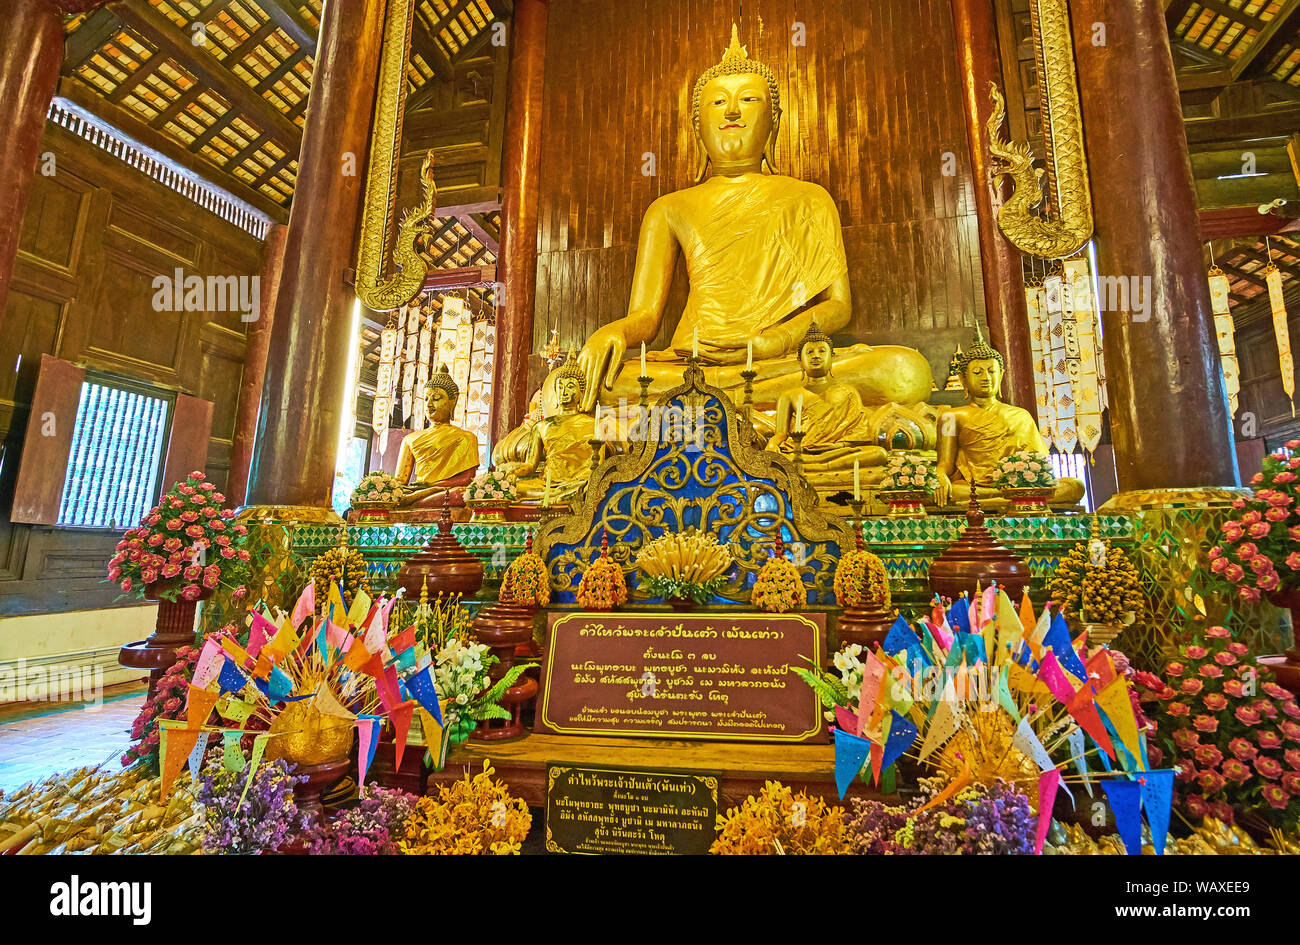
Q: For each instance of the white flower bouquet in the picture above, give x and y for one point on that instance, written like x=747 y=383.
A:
x=492 y=486
x=1025 y=470
x=909 y=472
x=377 y=488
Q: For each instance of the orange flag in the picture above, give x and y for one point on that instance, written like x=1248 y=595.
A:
x=356 y=656
x=198 y=707
x=1027 y=619
x=176 y=744
x=1114 y=701
x=956 y=784
x=401 y=718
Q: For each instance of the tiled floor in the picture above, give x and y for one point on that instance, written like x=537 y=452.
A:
x=37 y=745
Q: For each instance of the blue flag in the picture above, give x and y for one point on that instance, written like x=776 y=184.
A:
x=902 y=734
x=1058 y=641
x=901 y=636
x=231 y=678
x=422 y=689
x=1126 y=802
x=850 y=754
x=959 y=615
x=1157 y=794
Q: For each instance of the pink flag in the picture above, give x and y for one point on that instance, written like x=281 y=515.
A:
x=260 y=631
x=337 y=637
x=401 y=717
x=942 y=633
x=1050 y=672
x=873 y=671
x=846 y=720
x=1048 y=782
x=208 y=666
x=367 y=733
x=306 y=604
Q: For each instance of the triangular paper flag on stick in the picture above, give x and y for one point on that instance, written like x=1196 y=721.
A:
x=951 y=788
x=284 y=642
x=356 y=656
x=1049 y=671
x=1009 y=629
x=359 y=610
x=401 y=719
x=850 y=754
x=1157 y=788
x=1083 y=711
x=306 y=605
x=873 y=671
x=208 y=665
x=1101 y=672
x=1048 y=782
x=942 y=727
x=196 y=755
x=1115 y=702
x=327 y=703
x=846 y=720
x=902 y=735
x=233 y=755
x=1076 y=743
x=175 y=742
x=1028 y=744
x=367 y=742
x=254 y=759
x=1027 y=621
x=1125 y=801
x=422 y=688
x=335 y=609
x=260 y=631
x=198 y=706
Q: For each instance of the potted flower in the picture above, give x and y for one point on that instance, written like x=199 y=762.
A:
x=684 y=568
x=1026 y=480
x=182 y=550
x=491 y=494
x=909 y=480
x=377 y=492
x=462 y=675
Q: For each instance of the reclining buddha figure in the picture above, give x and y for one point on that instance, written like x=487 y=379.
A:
x=838 y=429
x=444 y=457
x=764 y=257
x=976 y=435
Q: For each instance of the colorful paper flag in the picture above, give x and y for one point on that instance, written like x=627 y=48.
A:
x=850 y=754
x=1126 y=803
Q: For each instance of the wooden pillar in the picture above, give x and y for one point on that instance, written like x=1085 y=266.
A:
x=255 y=348
x=307 y=354
x=1168 y=411
x=978 y=64
x=517 y=264
x=31 y=55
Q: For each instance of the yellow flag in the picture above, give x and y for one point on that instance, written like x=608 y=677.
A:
x=1114 y=701
x=942 y=727
x=1010 y=629
x=284 y=642
x=334 y=608
x=1027 y=620
x=359 y=609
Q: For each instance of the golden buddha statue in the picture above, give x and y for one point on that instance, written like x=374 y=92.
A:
x=558 y=455
x=443 y=457
x=513 y=447
x=840 y=431
x=764 y=256
x=976 y=435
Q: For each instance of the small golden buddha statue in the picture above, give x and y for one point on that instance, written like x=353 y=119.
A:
x=764 y=257
x=443 y=457
x=513 y=447
x=976 y=435
x=559 y=447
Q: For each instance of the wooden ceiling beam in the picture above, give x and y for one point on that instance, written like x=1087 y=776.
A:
x=1274 y=34
x=162 y=33
x=424 y=41
x=303 y=36
x=480 y=232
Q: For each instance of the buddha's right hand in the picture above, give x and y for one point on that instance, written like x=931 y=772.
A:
x=601 y=359
x=943 y=492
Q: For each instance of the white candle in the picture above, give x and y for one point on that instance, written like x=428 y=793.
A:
x=857 y=482
x=546 y=496
x=643 y=374
x=695 y=342
x=749 y=356
x=798 y=415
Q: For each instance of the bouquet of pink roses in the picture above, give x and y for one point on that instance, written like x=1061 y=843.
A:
x=1260 y=549
x=184 y=547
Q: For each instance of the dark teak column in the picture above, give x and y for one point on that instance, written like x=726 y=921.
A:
x=302 y=397
x=518 y=260
x=1004 y=289
x=1168 y=411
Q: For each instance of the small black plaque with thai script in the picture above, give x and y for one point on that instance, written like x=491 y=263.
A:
x=629 y=810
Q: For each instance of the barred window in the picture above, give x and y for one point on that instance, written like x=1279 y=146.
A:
x=1075 y=466
x=118 y=447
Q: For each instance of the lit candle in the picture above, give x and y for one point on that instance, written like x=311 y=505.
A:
x=546 y=496
x=857 y=482
x=643 y=374
x=798 y=415
x=749 y=356
x=695 y=342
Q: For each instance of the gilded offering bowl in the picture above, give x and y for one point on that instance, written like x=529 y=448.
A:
x=306 y=737
x=904 y=503
x=1029 y=501
x=488 y=510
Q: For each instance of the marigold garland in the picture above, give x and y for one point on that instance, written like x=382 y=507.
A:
x=779 y=588
x=526 y=580
x=781 y=821
x=862 y=581
x=471 y=817
x=602 y=586
x=343 y=566
x=1102 y=593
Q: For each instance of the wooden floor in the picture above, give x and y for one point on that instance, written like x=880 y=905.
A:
x=742 y=767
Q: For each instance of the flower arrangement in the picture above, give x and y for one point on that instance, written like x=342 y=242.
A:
x=343 y=566
x=378 y=487
x=684 y=565
x=1260 y=549
x=167 y=702
x=439 y=620
x=374 y=827
x=602 y=586
x=861 y=581
x=259 y=821
x=1098 y=583
x=1025 y=470
x=778 y=588
x=994 y=818
x=526 y=581
x=462 y=676
x=495 y=485
x=909 y=472
x=166 y=554
x=1235 y=738
x=471 y=817
x=781 y=821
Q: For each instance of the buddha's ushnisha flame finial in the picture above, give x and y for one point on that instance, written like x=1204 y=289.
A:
x=736 y=61
x=604 y=543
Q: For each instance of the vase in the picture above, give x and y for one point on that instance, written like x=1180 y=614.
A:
x=173 y=629
x=1031 y=501
x=681 y=603
x=976 y=558
x=904 y=503
x=865 y=626
x=503 y=627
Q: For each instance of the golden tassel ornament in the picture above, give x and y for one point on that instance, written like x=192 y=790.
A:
x=1273 y=276
x=1221 y=305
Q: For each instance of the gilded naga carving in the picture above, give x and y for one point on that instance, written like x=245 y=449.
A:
x=1065 y=225
x=376 y=289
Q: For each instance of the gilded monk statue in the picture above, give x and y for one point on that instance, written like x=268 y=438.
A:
x=974 y=436
x=559 y=446
x=443 y=457
x=839 y=430
x=764 y=256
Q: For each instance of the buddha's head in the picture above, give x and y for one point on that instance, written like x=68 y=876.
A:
x=816 y=352
x=440 y=396
x=981 y=370
x=735 y=110
x=570 y=382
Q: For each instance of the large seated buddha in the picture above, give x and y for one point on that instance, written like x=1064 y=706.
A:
x=765 y=260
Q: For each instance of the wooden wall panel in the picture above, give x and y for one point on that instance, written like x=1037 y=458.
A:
x=95 y=234
x=870 y=110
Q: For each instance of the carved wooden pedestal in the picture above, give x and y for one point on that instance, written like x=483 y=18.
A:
x=443 y=565
x=173 y=629
x=504 y=627
x=865 y=626
x=975 y=558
